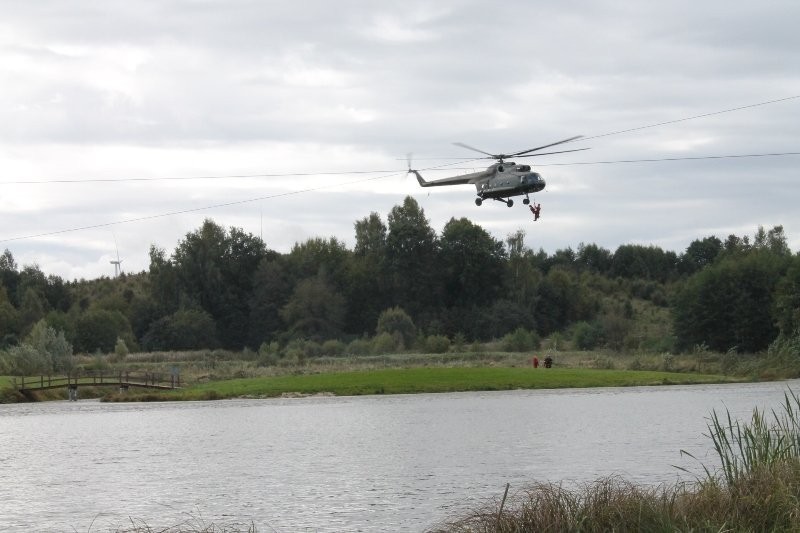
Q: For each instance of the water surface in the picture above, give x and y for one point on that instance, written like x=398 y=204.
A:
x=368 y=463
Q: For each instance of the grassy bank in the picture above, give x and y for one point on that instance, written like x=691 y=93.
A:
x=421 y=380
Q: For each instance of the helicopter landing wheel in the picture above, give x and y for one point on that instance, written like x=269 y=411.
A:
x=510 y=202
x=526 y=201
x=478 y=201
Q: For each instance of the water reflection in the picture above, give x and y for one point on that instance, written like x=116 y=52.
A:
x=333 y=464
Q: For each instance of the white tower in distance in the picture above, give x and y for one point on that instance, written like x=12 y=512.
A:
x=118 y=263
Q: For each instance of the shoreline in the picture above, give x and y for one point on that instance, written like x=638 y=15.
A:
x=413 y=380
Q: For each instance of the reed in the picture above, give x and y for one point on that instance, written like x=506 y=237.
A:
x=763 y=442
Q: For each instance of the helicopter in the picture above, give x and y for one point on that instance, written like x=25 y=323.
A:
x=502 y=179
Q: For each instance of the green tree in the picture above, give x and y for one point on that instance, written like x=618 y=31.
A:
x=471 y=262
x=33 y=308
x=593 y=258
x=272 y=287
x=52 y=347
x=522 y=274
x=9 y=320
x=370 y=236
x=98 y=329
x=185 y=329
x=645 y=262
x=366 y=288
x=215 y=270
x=9 y=276
x=787 y=301
x=729 y=304
x=700 y=254
x=395 y=321
x=165 y=290
x=411 y=259
x=317 y=255
x=587 y=335
x=561 y=301
x=315 y=310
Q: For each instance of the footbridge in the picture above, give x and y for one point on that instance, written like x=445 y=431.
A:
x=121 y=380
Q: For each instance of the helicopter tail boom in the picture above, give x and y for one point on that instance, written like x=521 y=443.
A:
x=421 y=181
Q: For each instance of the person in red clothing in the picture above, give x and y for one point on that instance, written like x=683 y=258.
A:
x=535 y=362
x=535 y=209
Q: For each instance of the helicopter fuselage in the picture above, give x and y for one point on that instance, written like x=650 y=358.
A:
x=509 y=179
x=500 y=181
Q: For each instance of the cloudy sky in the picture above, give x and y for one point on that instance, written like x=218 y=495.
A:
x=137 y=120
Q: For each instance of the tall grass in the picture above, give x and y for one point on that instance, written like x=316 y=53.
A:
x=756 y=488
x=765 y=441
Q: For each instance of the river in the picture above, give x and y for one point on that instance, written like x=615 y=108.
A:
x=368 y=463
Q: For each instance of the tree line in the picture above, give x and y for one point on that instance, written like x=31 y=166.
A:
x=224 y=288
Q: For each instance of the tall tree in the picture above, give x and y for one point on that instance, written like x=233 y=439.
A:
x=315 y=310
x=370 y=236
x=215 y=270
x=644 y=262
x=366 y=289
x=593 y=258
x=471 y=262
x=729 y=304
x=9 y=276
x=522 y=273
x=272 y=287
x=411 y=259
x=700 y=254
x=787 y=301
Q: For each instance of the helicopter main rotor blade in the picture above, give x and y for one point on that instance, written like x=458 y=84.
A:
x=468 y=147
x=545 y=146
x=551 y=153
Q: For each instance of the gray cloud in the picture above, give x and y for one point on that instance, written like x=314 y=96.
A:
x=190 y=88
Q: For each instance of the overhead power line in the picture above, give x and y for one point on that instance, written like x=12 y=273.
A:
x=207 y=207
x=663 y=159
x=179 y=178
x=704 y=115
x=396 y=174
x=312 y=189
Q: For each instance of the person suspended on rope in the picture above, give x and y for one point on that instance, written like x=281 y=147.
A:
x=535 y=209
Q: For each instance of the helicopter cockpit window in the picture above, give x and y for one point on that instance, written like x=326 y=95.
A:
x=524 y=168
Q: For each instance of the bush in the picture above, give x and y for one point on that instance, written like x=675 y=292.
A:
x=186 y=329
x=437 y=344
x=359 y=347
x=99 y=329
x=384 y=343
x=396 y=320
x=520 y=340
x=333 y=348
x=268 y=354
x=587 y=336
x=120 y=348
x=25 y=360
x=459 y=342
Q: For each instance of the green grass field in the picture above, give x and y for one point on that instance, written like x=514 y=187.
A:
x=421 y=380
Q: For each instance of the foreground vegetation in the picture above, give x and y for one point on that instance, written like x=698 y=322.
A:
x=757 y=489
